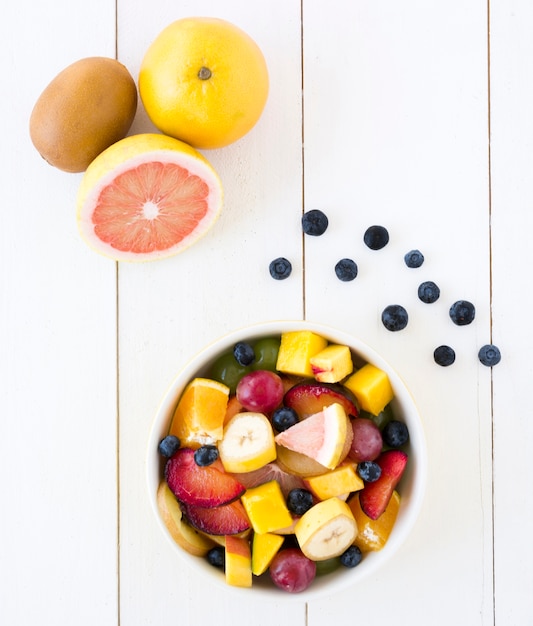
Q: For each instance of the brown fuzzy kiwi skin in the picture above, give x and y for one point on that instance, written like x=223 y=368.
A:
x=87 y=107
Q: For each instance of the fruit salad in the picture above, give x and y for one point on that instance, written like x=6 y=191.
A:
x=283 y=461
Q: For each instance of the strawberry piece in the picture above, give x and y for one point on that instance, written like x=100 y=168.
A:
x=310 y=398
x=375 y=496
x=228 y=519
x=207 y=486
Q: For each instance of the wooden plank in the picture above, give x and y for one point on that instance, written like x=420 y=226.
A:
x=395 y=127
x=171 y=309
x=58 y=552
x=512 y=220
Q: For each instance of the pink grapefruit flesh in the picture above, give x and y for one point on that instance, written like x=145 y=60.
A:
x=147 y=197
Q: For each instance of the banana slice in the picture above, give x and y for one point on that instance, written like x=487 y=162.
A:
x=248 y=443
x=326 y=530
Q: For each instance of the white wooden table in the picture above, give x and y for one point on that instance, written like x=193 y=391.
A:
x=414 y=115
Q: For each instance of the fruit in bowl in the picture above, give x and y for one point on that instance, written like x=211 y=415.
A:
x=287 y=456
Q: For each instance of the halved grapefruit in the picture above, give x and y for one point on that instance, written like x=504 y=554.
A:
x=147 y=197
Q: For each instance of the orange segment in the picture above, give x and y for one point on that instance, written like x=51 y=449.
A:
x=373 y=534
x=199 y=415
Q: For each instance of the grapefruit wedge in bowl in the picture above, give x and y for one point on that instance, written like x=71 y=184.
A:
x=147 y=197
x=312 y=507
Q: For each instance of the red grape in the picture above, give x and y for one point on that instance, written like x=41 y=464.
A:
x=260 y=391
x=292 y=571
x=367 y=441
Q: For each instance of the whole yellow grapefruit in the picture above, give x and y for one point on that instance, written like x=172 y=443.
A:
x=204 y=81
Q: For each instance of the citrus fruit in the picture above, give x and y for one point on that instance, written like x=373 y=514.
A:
x=199 y=415
x=321 y=436
x=88 y=106
x=147 y=197
x=373 y=534
x=205 y=81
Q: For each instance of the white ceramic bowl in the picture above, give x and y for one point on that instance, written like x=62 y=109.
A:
x=411 y=487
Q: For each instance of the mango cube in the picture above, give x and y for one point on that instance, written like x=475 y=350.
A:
x=332 y=364
x=373 y=534
x=371 y=386
x=340 y=481
x=266 y=507
x=238 y=566
x=264 y=548
x=295 y=351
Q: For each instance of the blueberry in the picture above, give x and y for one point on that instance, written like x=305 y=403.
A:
x=351 y=557
x=280 y=268
x=168 y=446
x=346 y=270
x=444 y=355
x=394 y=317
x=428 y=292
x=414 y=258
x=489 y=355
x=369 y=471
x=376 y=237
x=205 y=455
x=299 y=501
x=395 y=434
x=216 y=557
x=314 y=223
x=284 y=418
x=462 y=312
x=244 y=353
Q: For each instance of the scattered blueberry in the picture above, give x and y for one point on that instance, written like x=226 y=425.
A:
x=168 y=446
x=394 y=317
x=216 y=557
x=299 y=501
x=376 y=237
x=428 y=292
x=346 y=270
x=395 y=434
x=444 y=355
x=314 y=222
x=244 y=353
x=414 y=258
x=369 y=471
x=205 y=455
x=489 y=355
x=351 y=557
x=280 y=268
x=284 y=418
x=462 y=312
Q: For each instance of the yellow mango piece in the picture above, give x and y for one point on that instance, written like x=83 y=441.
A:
x=371 y=386
x=199 y=415
x=295 y=351
x=340 y=481
x=266 y=507
x=264 y=548
x=238 y=567
x=373 y=534
x=332 y=364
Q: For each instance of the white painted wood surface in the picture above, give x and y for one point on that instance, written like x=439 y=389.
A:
x=412 y=115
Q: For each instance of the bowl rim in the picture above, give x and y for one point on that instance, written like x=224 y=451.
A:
x=408 y=514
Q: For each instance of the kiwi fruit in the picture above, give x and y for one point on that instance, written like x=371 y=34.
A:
x=87 y=107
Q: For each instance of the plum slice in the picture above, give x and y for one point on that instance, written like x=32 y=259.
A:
x=310 y=398
x=207 y=486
